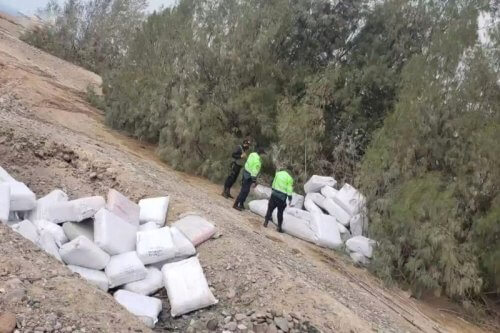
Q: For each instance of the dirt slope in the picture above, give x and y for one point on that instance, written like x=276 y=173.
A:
x=44 y=119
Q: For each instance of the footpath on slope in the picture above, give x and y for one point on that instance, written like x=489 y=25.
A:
x=43 y=116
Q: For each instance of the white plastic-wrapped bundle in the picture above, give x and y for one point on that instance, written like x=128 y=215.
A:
x=350 y=199
x=74 y=210
x=27 y=230
x=329 y=192
x=356 y=225
x=361 y=245
x=186 y=286
x=94 y=277
x=145 y=308
x=149 y=285
x=345 y=234
x=54 y=229
x=195 y=228
x=309 y=204
x=336 y=211
x=83 y=252
x=360 y=259
x=124 y=268
x=155 y=245
x=48 y=244
x=112 y=234
x=183 y=246
x=148 y=226
x=259 y=207
x=326 y=231
x=154 y=210
x=4 y=176
x=262 y=192
x=123 y=207
x=76 y=229
x=316 y=183
x=21 y=197
x=298 y=227
x=39 y=213
x=297 y=201
x=4 y=202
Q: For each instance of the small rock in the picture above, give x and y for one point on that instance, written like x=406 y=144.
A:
x=66 y=158
x=282 y=323
x=232 y=326
x=240 y=317
x=242 y=327
x=212 y=324
x=231 y=293
x=93 y=176
x=7 y=322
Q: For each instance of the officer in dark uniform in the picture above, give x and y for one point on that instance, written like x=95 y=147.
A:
x=239 y=156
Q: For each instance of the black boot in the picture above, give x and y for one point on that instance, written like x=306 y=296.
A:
x=237 y=207
x=266 y=222
x=280 y=230
x=224 y=194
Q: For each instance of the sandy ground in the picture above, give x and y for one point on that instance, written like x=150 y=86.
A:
x=44 y=116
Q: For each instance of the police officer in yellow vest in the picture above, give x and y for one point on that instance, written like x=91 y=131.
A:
x=250 y=173
x=282 y=189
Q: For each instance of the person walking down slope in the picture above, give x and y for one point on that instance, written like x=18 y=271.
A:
x=250 y=173
x=238 y=158
x=282 y=189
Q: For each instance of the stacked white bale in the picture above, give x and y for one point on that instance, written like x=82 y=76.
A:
x=27 y=230
x=186 y=286
x=124 y=268
x=298 y=227
x=55 y=230
x=195 y=228
x=332 y=208
x=4 y=202
x=148 y=226
x=47 y=243
x=123 y=207
x=326 y=231
x=345 y=234
x=357 y=225
x=149 y=285
x=145 y=308
x=4 y=176
x=39 y=213
x=350 y=199
x=310 y=205
x=112 y=234
x=297 y=201
x=329 y=192
x=316 y=183
x=182 y=245
x=74 y=230
x=74 y=210
x=362 y=246
x=155 y=245
x=83 y=252
x=154 y=210
x=21 y=197
x=262 y=192
x=94 y=277
x=259 y=207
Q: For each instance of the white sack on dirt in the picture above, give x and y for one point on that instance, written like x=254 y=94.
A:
x=298 y=213
x=74 y=230
x=350 y=199
x=4 y=176
x=124 y=268
x=48 y=244
x=329 y=192
x=361 y=244
x=154 y=210
x=21 y=197
x=186 y=286
x=155 y=245
x=39 y=213
x=74 y=210
x=83 y=252
x=297 y=227
x=195 y=228
x=149 y=285
x=4 y=202
x=112 y=234
x=183 y=246
x=326 y=231
x=27 y=230
x=259 y=207
x=94 y=277
x=356 y=225
x=297 y=201
x=123 y=207
x=262 y=192
x=345 y=234
x=148 y=226
x=336 y=211
x=54 y=229
x=359 y=259
x=310 y=206
x=145 y=308
x=315 y=183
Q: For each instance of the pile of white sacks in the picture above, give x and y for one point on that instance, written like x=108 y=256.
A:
x=116 y=244
x=326 y=216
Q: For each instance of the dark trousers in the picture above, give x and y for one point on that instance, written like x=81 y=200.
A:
x=246 y=183
x=274 y=203
x=231 y=179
